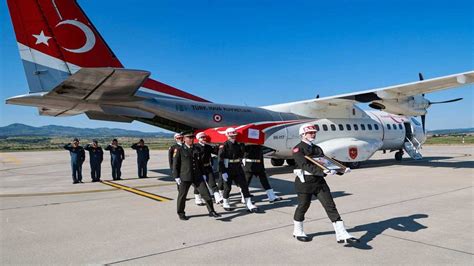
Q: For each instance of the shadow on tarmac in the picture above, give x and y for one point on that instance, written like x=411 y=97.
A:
x=372 y=230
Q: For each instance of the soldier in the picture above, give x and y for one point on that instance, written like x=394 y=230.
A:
x=117 y=155
x=96 y=156
x=187 y=171
x=206 y=154
x=143 y=155
x=230 y=167
x=310 y=181
x=78 y=156
x=178 y=137
x=253 y=166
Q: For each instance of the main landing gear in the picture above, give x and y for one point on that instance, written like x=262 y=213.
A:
x=399 y=155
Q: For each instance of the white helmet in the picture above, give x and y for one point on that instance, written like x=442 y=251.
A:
x=305 y=128
x=230 y=132
x=178 y=135
x=200 y=135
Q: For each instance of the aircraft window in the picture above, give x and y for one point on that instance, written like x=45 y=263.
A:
x=317 y=127
x=348 y=127
x=333 y=127
x=400 y=126
x=341 y=127
x=362 y=127
x=395 y=126
x=325 y=127
x=356 y=127
x=369 y=126
x=388 y=127
x=376 y=127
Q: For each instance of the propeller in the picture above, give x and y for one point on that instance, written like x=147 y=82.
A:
x=423 y=117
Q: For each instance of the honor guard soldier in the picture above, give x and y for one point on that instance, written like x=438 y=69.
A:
x=96 y=156
x=178 y=137
x=143 y=155
x=117 y=155
x=230 y=167
x=310 y=181
x=78 y=156
x=253 y=166
x=188 y=171
x=206 y=155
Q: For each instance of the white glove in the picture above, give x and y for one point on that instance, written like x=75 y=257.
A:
x=204 y=177
x=348 y=170
x=225 y=177
x=330 y=172
x=178 y=181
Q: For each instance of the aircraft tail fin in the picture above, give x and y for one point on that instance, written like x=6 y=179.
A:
x=55 y=39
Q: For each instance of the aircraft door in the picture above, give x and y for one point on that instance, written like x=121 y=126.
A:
x=408 y=130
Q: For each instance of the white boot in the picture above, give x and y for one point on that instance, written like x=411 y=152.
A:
x=217 y=197
x=226 y=205
x=198 y=200
x=271 y=196
x=250 y=206
x=242 y=198
x=342 y=236
x=298 y=232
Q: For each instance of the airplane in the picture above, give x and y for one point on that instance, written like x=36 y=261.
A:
x=71 y=70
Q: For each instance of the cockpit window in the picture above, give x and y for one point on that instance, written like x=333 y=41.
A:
x=415 y=121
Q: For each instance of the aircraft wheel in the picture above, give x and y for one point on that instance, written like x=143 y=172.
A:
x=290 y=162
x=398 y=155
x=277 y=162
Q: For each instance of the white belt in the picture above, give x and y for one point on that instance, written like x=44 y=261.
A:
x=252 y=160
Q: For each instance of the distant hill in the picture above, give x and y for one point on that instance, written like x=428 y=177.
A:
x=451 y=131
x=63 y=131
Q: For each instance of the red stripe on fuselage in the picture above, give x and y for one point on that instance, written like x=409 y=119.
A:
x=167 y=89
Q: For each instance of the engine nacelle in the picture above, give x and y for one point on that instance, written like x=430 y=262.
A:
x=411 y=106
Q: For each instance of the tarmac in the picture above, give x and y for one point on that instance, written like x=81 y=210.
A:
x=409 y=212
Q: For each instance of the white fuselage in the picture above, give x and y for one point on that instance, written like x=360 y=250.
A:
x=375 y=131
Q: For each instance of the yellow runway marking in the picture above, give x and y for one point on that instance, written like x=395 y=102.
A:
x=76 y=192
x=136 y=191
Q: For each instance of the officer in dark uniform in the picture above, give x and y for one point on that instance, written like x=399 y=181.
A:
x=253 y=166
x=78 y=156
x=230 y=156
x=310 y=181
x=117 y=155
x=96 y=156
x=188 y=171
x=178 y=137
x=143 y=155
x=206 y=155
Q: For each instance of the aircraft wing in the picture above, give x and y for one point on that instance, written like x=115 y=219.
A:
x=399 y=93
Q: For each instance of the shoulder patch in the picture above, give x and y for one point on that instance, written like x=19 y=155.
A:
x=174 y=152
x=296 y=149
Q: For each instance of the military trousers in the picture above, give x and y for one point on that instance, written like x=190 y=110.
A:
x=323 y=194
x=183 y=189
x=142 y=168
x=261 y=175
x=76 y=168
x=116 y=169
x=239 y=178
x=95 y=171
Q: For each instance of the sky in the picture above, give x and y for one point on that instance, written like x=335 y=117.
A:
x=258 y=53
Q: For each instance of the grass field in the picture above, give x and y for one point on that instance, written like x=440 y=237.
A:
x=56 y=143
x=450 y=140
